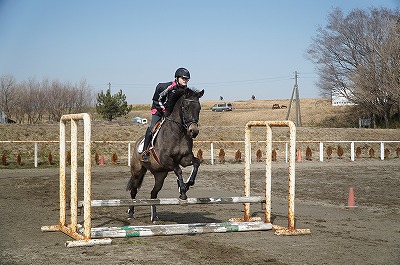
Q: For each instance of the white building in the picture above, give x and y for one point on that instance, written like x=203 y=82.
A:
x=340 y=100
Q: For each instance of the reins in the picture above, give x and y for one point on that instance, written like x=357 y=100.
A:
x=179 y=123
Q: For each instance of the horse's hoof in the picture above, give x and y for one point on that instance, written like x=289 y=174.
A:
x=154 y=220
x=183 y=197
x=130 y=214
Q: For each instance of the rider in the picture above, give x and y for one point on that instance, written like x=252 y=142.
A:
x=162 y=104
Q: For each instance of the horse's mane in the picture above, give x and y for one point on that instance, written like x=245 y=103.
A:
x=192 y=91
x=182 y=93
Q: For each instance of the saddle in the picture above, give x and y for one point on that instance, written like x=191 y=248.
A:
x=150 y=148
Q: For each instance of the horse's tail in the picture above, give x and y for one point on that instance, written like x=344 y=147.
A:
x=129 y=186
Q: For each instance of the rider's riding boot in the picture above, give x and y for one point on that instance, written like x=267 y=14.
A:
x=147 y=138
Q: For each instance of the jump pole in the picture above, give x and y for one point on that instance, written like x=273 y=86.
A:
x=290 y=230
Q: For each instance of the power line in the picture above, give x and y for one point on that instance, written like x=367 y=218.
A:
x=248 y=80
x=221 y=83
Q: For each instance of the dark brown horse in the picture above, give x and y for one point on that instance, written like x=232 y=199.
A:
x=173 y=146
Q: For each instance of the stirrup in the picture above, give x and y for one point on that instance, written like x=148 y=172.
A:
x=145 y=156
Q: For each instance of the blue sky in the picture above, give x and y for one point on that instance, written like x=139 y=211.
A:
x=232 y=48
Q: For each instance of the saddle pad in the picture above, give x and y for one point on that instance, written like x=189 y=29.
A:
x=156 y=129
x=140 y=147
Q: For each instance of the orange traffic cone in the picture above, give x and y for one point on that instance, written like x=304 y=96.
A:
x=350 y=201
x=298 y=155
x=102 y=160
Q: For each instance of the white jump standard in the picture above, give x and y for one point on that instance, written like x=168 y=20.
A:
x=71 y=229
x=290 y=230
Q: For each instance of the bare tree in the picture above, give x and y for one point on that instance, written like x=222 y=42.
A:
x=20 y=109
x=83 y=96
x=8 y=94
x=66 y=98
x=57 y=98
x=357 y=57
x=375 y=80
x=29 y=101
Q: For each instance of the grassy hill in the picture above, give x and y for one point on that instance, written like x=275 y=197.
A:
x=314 y=112
x=318 y=117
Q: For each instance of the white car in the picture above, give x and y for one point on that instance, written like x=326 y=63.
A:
x=140 y=120
x=222 y=107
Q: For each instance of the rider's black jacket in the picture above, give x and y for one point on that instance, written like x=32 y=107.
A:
x=165 y=97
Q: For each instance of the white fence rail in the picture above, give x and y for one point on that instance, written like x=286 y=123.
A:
x=321 y=146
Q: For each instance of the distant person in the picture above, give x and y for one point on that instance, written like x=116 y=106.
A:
x=164 y=99
x=3 y=118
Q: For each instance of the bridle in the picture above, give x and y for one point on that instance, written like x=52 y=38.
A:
x=187 y=123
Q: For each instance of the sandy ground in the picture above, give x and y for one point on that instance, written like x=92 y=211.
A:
x=367 y=234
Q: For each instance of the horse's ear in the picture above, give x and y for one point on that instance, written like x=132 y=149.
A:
x=201 y=93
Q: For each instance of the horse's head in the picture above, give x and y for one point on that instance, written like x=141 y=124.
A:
x=190 y=111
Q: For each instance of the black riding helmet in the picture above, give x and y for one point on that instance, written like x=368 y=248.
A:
x=182 y=72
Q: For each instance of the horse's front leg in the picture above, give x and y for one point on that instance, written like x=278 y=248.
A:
x=181 y=184
x=192 y=177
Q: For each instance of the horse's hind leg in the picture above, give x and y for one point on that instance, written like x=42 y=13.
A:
x=158 y=184
x=133 y=185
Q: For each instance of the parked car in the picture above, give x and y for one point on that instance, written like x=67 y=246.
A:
x=222 y=107
x=140 y=120
x=276 y=106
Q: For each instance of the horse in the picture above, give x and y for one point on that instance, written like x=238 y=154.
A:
x=171 y=149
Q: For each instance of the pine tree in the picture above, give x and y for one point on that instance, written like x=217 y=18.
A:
x=112 y=106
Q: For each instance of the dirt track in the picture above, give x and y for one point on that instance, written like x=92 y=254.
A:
x=368 y=234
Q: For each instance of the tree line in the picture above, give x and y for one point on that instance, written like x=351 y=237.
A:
x=35 y=101
x=358 y=56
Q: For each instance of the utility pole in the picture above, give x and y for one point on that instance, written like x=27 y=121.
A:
x=295 y=92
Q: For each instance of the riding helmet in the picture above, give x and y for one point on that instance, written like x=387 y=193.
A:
x=182 y=72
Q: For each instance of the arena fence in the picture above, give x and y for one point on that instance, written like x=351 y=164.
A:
x=87 y=236
x=210 y=149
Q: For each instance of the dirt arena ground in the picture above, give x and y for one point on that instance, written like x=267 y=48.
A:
x=367 y=234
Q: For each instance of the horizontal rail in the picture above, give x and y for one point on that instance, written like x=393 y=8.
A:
x=211 y=141
x=174 y=201
x=178 y=229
